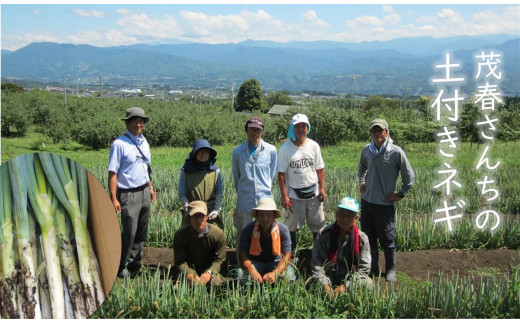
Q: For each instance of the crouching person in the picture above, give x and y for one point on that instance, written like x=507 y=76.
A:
x=265 y=246
x=341 y=253
x=199 y=248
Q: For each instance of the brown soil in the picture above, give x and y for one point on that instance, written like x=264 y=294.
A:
x=416 y=265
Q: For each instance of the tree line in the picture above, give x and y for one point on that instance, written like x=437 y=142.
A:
x=96 y=122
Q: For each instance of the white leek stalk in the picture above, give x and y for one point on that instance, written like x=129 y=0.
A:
x=68 y=263
x=40 y=199
x=60 y=178
x=8 y=275
x=43 y=285
x=30 y=304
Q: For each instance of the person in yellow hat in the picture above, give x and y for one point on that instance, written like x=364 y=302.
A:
x=199 y=248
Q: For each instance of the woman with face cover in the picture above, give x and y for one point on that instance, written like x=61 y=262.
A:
x=200 y=180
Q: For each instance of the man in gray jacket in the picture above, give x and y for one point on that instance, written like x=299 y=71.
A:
x=380 y=164
x=341 y=253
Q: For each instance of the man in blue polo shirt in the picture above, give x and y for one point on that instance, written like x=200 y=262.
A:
x=131 y=189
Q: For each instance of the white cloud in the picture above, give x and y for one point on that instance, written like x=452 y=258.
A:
x=199 y=26
x=123 y=12
x=141 y=27
x=449 y=16
x=13 y=42
x=90 y=13
x=492 y=22
x=445 y=23
x=388 y=8
x=362 y=22
x=392 y=19
x=146 y=28
x=109 y=38
x=312 y=18
x=37 y=12
x=257 y=25
x=450 y=23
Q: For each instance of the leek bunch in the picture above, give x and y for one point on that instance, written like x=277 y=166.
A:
x=48 y=267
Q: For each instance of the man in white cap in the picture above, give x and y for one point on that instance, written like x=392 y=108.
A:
x=130 y=187
x=301 y=176
x=379 y=166
x=199 y=248
x=341 y=252
x=265 y=246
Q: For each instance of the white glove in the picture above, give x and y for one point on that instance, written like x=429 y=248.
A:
x=213 y=215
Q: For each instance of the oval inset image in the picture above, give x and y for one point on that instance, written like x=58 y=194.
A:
x=59 y=239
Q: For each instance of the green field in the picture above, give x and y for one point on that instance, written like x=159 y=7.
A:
x=415 y=211
x=151 y=296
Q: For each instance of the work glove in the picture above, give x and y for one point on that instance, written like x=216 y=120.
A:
x=213 y=215
x=184 y=203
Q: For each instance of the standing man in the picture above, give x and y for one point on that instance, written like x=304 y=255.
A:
x=380 y=164
x=199 y=248
x=131 y=191
x=301 y=176
x=253 y=165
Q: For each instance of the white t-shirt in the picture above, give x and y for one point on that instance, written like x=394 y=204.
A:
x=299 y=165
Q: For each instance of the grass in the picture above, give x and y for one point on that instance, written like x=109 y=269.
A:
x=416 y=230
x=152 y=295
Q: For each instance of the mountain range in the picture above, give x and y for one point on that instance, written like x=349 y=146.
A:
x=383 y=68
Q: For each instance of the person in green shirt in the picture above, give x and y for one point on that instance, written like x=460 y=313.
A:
x=199 y=248
x=200 y=180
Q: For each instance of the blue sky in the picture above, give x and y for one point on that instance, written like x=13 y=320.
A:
x=125 y=24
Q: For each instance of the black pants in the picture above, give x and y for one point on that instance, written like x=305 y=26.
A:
x=378 y=222
x=135 y=214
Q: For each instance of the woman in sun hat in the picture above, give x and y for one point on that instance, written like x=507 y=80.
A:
x=200 y=180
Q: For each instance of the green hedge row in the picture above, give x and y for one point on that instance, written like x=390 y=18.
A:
x=96 y=122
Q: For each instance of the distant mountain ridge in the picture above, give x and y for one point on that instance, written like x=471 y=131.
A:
x=380 y=67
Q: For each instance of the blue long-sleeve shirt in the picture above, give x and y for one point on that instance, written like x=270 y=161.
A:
x=253 y=175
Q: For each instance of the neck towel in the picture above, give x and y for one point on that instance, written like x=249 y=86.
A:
x=372 y=147
x=354 y=243
x=290 y=133
x=255 y=249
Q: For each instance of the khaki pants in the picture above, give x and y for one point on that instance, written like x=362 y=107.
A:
x=310 y=210
x=240 y=219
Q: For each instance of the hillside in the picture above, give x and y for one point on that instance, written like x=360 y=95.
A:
x=381 y=67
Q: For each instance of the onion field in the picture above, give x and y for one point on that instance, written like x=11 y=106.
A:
x=153 y=295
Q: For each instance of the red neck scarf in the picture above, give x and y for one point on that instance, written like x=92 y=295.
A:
x=354 y=250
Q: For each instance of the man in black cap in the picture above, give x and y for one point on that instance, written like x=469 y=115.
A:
x=131 y=191
x=253 y=165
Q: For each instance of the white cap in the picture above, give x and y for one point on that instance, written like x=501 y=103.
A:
x=299 y=118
